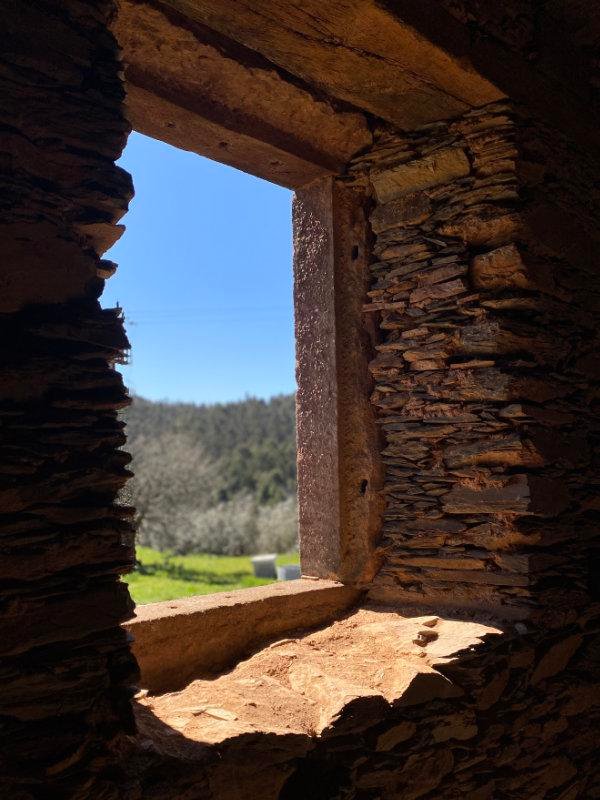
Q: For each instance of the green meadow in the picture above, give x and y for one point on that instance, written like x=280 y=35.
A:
x=163 y=576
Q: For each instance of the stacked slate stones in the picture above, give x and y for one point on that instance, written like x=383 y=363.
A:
x=523 y=725
x=437 y=716
x=65 y=667
x=486 y=287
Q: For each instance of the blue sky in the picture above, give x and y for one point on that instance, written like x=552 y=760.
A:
x=205 y=279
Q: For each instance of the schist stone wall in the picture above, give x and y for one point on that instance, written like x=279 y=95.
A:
x=381 y=706
x=475 y=670
x=485 y=290
x=486 y=283
x=65 y=665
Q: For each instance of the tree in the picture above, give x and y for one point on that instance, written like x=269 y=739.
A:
x=217 y=479
x=171 y=485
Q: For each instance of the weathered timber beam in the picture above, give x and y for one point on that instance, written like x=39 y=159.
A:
x=549 y=76
x=191 y=88
x=407 y=62
x=354 y=50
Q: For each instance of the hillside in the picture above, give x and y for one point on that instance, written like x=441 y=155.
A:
x=214 y=478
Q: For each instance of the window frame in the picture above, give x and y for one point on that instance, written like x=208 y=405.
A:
x=339 y=472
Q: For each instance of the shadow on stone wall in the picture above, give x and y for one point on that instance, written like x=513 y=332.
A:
x=378 y=705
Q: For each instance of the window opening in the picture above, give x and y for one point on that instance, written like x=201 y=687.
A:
x=205 y=282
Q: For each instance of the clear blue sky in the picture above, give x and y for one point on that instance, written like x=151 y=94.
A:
x=205 y=279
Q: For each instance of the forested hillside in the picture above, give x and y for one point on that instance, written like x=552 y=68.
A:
x=214 y=478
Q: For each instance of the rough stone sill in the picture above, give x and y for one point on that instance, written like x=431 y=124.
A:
x=179 y=640
x=337 y=681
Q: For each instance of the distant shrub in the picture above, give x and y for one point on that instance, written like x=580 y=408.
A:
x=278 y=527
x=213 y=479
x=229 y=529
x=237 y=527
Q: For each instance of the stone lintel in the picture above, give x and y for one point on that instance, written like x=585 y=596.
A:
x=198 y=91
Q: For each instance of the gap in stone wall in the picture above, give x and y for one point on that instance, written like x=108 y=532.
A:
x=204 y=280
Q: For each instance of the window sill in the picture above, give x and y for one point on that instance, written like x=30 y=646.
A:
x=365 y=671
x=177 y=641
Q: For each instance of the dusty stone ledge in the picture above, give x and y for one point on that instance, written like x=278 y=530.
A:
x=179 y=640
x=338 y=679
x=369 y=690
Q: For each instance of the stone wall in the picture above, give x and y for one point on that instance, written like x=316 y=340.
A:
x=65 y=665
x=555 y=38
x=379 y=706
x=485 y=290
x=485 y=284
x=475 y=670
x=519 y=720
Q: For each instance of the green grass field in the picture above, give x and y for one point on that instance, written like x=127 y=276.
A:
x=161 y=576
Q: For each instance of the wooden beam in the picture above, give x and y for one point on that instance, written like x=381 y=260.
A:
x=549 y=75
x=408 y=62
x=191 y=88
x=354 y=50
